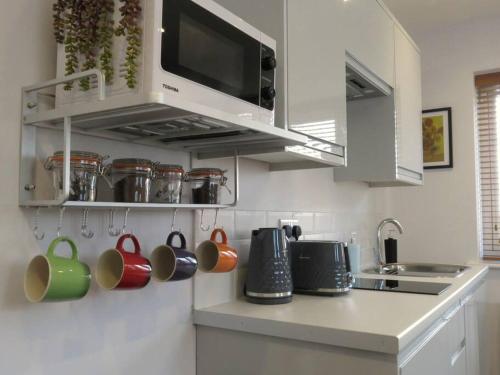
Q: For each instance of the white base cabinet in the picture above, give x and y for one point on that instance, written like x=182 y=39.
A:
x=447 y=347
x=442 y=350
x=225 y=352
x=471 y=312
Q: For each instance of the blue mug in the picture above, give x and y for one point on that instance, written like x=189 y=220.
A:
x=173 y=263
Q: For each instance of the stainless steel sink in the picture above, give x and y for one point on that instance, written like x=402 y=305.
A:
x=419 y=270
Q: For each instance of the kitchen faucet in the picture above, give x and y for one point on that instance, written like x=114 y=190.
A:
x=381 y=226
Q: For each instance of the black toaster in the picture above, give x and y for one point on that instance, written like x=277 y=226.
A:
x=320 y=268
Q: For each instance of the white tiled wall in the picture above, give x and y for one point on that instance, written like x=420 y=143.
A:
x=211 y=289
x=325 y=210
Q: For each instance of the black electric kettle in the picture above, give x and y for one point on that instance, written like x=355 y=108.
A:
x=269 y=279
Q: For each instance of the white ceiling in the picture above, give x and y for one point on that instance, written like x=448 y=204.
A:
x=421 y=16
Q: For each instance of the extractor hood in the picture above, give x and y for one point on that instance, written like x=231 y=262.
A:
x=372 y=135
x=361 y=83
x=358 y=87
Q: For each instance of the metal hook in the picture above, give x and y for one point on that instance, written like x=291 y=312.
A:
x=85 y=231
x=112 y=231
x=60 y=222
x=215 y=220
x=125 y=219
x=173 y=222
x=203 y=227
x=38 y=236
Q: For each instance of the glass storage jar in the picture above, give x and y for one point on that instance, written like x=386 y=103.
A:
x=131 y=180
x=167 y=183
x=205 y=184
x=85 y=167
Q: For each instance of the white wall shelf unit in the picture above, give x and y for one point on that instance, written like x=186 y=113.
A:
x=119 y=205
x=136 y=119
x=150 y=119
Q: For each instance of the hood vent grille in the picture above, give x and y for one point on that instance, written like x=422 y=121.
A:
x=362 y=83
x=359 y=88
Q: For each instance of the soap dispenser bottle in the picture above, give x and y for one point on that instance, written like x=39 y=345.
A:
x=354 y=251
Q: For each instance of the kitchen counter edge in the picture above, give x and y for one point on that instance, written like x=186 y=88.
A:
x=216 y=317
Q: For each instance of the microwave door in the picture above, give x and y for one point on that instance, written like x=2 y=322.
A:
x=201 y=47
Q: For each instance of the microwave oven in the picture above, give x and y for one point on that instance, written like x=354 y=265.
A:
x=195 y=51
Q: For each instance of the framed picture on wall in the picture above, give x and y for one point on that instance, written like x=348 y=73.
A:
x=437 y=140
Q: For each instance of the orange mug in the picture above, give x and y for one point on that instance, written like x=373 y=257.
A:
x=214 y=256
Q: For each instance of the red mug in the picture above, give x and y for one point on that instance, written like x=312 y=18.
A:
x=121 y=269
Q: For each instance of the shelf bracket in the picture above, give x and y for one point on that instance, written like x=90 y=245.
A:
x=236 y=180
x=30 y=102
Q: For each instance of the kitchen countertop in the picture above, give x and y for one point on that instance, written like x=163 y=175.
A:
x=368 y=320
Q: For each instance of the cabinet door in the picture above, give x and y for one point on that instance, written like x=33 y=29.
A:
x=442 y=352
x=269 y=17
x=472 y=334
x=316 y=72
x=408 y=100
x=430 y=360
x=369 y=34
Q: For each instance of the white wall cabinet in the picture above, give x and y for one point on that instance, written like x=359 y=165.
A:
x=316 y=74
x=310 y=78
x=408 y=100
x=385 y=133
x=312 y=42
x=369 y=37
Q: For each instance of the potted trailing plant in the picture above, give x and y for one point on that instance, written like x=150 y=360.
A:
x=86 y=29
x=129 y=28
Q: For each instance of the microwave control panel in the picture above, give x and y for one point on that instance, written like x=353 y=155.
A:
x=267 y=78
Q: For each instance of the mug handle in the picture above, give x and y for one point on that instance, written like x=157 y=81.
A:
x=171 y=237
x=57 y=241
x=121 y=240
x=220 y=231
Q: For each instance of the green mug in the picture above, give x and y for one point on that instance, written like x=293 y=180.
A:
x=52 y=278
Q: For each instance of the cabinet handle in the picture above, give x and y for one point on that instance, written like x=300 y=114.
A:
x=458 y=353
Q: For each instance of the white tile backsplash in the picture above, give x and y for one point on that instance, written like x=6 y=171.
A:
x=322 y=222
x=218 y=287
x=246 y=221
x=274 y=217
x=313 y=237
x=334 y=226
x=243 y=248
x=215 y=288
x=225 y=220
x=333 y=236
x=211 y=289
x=306 y=221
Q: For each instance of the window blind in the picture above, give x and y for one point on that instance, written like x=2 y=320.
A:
x=488 y=128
